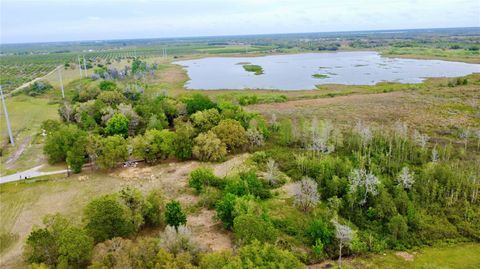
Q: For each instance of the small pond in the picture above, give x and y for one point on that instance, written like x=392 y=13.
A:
x=304 y=71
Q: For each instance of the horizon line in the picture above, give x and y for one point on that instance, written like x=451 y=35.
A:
x=236 y=35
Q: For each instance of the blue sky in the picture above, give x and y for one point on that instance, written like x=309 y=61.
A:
x=57 y=20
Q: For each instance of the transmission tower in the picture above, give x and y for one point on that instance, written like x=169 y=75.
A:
x=79 y=66
x=61 y=81
x=6 y=118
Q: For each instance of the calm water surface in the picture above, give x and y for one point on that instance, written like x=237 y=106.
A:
x=294 y=71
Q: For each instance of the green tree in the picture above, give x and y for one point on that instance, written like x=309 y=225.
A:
x=225 y=208
x=112 y=98
x=158 y=122
x=152 y=211
x=134 y=200
x=76 y=154
x=207 y=147
x=205 y=120
x=398 y=227
x=74 y=247
x=59 y=244
x=41 y=247
x=58 y=143
x=232 y=133
x=197 y=102
x=113 y=149
x=153 y=144
x=106 y=217
x=117 y=125
x=174 y=215
x=182 y=143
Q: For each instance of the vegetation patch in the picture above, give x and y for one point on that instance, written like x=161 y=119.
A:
x=257 y=69
x=320 y=76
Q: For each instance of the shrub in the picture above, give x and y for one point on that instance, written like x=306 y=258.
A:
x=306 y=194
x=232 y=133
x=152 y=211
x=206 y=120
x=107 y=85
x=182 y=142
x=225 y=208
x=247 y=183
x=319 y=229
x=117 y=125
x=179 y=239
x=398 y=227
x=174 y=215
x=38 y=88
x=249 y=227
x=154 y=144
x=258 y=255
x=215 y=260
x=207 y=147
x=201 y=177
x=112 y=150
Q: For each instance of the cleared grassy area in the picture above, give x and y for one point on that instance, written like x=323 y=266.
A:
x=461 y=256
x=432 y=107
x=460 y=55
x=26 y=116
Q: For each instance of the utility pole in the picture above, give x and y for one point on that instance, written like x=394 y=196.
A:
x=79 y=66
x=6 y=117
x=61 y=81
x=85 y=66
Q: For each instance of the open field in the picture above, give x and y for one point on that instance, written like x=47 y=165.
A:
x=23 y=204
x=26 y=115
x=433 y=107
x=461 y=256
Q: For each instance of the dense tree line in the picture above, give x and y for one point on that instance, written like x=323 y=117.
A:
x=106 y=126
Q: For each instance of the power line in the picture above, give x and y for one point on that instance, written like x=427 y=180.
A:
x=80 y=66
x=6 y=117
x=85 y=66
x=61 y=81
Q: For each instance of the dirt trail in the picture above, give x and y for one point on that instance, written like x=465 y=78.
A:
x=11 y=160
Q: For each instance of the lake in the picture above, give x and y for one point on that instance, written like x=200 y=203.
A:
x=295 y=71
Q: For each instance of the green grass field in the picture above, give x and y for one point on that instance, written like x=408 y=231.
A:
x=26 y=116
x=461 y=256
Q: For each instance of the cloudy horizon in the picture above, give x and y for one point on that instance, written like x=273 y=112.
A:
x=25 y=21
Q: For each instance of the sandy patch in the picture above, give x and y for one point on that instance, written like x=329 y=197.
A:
x=405 y=255
x=207 y=231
